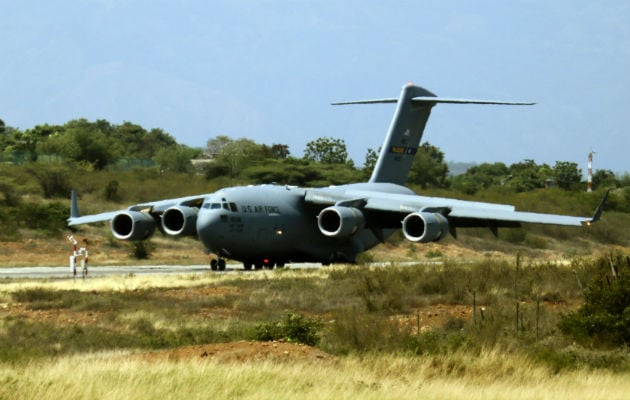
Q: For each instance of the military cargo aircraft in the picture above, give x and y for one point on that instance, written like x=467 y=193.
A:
x=270 y=225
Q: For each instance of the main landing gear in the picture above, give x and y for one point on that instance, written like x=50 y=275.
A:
x=266 y=264
x=217 y=265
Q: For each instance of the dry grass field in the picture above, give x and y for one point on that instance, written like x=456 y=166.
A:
x=433 y=331
x=189 y=336
x=490 y=375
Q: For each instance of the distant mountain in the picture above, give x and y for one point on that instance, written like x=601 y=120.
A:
x=458 y=168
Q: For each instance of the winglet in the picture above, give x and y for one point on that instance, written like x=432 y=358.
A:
x=600 y=209
x=74 y=208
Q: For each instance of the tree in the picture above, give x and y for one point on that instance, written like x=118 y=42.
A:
x=482 y=176
x=604 y=318
x=54 y=179
x=280 y=151
x=83 y=143
x=429 y=168
x=175 y=158
x=29 y=140
x=327 y=150
x=10 y=192
x=215 y=146
x=604 y=178
x=8 y=139
x=130 y=139
x=567 y=175
x=238 y=154
x=527 y=176
x=371 y=157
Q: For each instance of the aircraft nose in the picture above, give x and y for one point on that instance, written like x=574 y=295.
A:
x=207 y=228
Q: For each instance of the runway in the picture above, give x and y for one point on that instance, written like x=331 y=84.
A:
x=99 y=271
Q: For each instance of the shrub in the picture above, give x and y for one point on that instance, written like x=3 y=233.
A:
x=54 y=179
x=142 y=249
x=293 y=328
x=433 y=254
x=604 y=319
x=111 y=191
x=49 y=217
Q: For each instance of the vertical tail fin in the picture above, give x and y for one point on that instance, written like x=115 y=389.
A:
x=406 y=128
x=403 y=137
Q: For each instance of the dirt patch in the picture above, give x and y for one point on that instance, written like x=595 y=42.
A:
x=435 y=316
x=51 y=316
x=241 y=351
x=199 y=292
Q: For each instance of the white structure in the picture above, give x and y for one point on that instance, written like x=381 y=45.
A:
x=589 y=178
x=80 y=252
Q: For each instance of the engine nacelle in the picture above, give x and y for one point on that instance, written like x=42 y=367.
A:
x=337 y=221
x=180 y=221
x=425 y=227
x=133 y=225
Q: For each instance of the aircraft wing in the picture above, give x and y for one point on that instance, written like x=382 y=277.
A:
x=88 y=219
x=154 y=208
x=389 y=206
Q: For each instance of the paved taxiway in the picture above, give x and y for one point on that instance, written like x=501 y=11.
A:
x=65 y=272
x=96 y=271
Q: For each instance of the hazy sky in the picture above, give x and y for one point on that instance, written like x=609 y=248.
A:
x=267 y=70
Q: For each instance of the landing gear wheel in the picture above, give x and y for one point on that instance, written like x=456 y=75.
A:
x=247 y=266
x=221 y=265
x=214 y=264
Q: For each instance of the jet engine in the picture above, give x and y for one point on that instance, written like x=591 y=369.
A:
x=180 y=221
x=337 y=221
x=425 y=227
x=133 y=225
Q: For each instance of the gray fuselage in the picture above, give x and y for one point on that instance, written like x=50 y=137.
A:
x=272 y=223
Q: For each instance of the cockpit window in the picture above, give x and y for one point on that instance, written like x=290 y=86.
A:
x=225 y=205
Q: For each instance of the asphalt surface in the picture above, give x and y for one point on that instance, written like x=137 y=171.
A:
x=96 y=271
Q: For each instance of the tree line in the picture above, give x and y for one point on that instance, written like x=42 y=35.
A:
x=260 y=163
x=99 y=143
x=49 y=160
x=102 y=145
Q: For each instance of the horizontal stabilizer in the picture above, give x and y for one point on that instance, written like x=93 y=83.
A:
x=343 y=103
x=467 y=101
x=436 y=100
x=405 y=132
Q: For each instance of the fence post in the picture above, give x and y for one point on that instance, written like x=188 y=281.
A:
x=537 y=317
